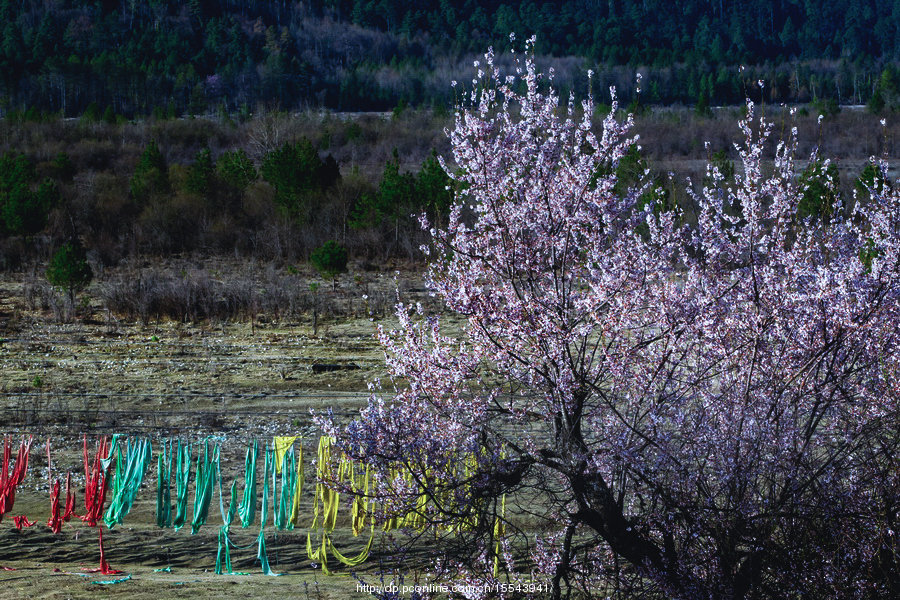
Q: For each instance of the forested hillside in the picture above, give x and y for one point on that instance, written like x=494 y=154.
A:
x=263 y=173
x=176 y=58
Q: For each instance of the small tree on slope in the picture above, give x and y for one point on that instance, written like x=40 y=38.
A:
x=69 y=270
x=330 y=260
x=678 y=412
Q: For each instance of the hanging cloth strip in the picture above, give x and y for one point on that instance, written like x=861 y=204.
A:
x=130 y=469
x=470 y=469
x=105 y=569
x=164 y=485
x=225 y=543
x=95 y=477
x=360 y=485
x=9 y=481
x=205 y=482
x=415 y=519
x=111 y=455
x=261 y=553
x=323 y=500
x=393 y=521
x=356 y=560
x=285 y=503
x=248 y=504
x=95 y=482
x=56 y=520
x=295 y=508
x=499 y=531
x=499 y=526
x=330 y=498
x=182 y=479
x=326 y=502
x=283 y=443
x=360 y=510
x=224 y=550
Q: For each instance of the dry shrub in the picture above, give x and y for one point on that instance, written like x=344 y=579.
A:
x=194 y=296
x=249 y=292
x=37 y=294
x=41 y=296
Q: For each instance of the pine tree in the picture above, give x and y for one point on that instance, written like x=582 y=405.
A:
x=69 y=270
x=151 y=176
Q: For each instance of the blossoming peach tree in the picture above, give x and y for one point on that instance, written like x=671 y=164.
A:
x=632 y=406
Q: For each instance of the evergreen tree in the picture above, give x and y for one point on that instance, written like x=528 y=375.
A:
x=200 y=175
x=69 y=270
x=23 y=209
x=297 y=173
x=151 y=175
x=433 y=189
x=394 y=197
x=329 y=259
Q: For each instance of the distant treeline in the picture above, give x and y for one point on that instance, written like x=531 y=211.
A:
x=275 y=188
x=135 y=58
x=279 y=186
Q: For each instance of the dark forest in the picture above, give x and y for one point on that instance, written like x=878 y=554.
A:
x=135 y=58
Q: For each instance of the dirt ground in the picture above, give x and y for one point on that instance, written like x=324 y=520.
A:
x=182 y=381
x=162 y=563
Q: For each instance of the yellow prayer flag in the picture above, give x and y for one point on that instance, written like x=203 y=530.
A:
x=283 y=443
